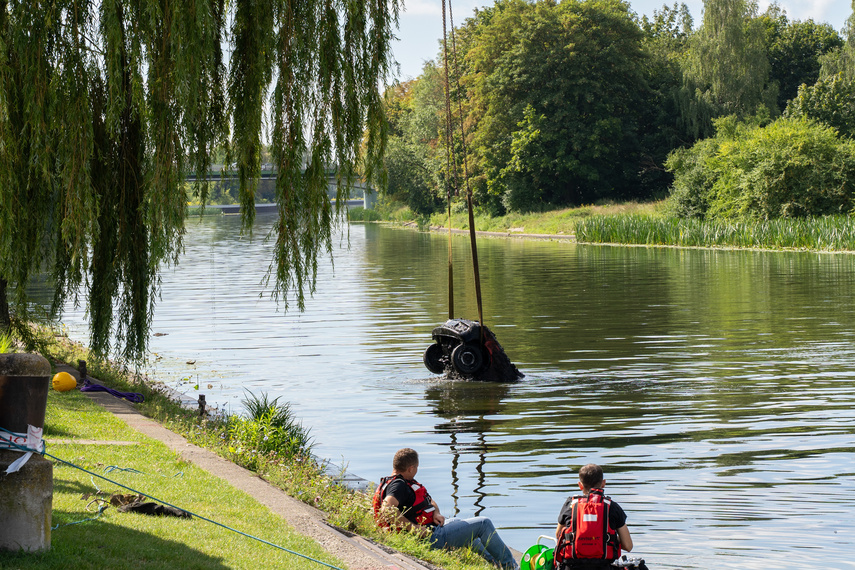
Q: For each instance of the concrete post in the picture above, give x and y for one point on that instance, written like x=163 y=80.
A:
x=26 y=496
x=368 y=197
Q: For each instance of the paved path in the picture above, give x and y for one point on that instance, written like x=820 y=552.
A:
x=355 y=551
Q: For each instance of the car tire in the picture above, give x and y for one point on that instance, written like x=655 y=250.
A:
x=466 y=359
x=433 y=359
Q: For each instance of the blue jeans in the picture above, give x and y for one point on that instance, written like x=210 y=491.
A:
x=479 y=534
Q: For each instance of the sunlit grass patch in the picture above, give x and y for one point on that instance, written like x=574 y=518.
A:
x=73 y=415
x=270 y=433
x=551 y=222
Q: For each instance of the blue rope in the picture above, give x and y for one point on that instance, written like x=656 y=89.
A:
x=101 y=509
x=22 y=448
x=112 y=468
x=125 y=469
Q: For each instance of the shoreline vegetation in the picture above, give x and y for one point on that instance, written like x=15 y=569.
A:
x=268 y=440
x=644 y=224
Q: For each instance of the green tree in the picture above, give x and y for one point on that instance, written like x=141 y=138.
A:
x=842 y=60
x=669 y=30
x=726 y=68
x=792 y=167
x=557 y=88
x=414 y=153
x=106 y=106
x=830 y=100
x=795 y=50
x=666 y=39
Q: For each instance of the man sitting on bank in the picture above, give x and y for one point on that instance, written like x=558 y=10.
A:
x=591 y=527
x=402 y=503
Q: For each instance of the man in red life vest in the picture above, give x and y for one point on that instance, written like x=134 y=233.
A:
x=591 y=528
x=403 y=503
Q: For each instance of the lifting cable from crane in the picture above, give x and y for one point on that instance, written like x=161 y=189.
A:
x=453 y=164
x=463 y=348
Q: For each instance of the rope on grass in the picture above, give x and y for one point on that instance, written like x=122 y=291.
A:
x=89 y=386
x=70 y=464
x=101 y=509
x=111 y=468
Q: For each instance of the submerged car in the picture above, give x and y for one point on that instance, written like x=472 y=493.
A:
x=457 y=347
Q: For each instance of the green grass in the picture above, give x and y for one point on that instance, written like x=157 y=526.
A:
x=553 y=222
x=270 y=433
x=126 y=540
x=834 y=233
x=360 y=214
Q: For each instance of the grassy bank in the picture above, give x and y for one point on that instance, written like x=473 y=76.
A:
x=239 y=439
x=196 y=210
x=816 y=234
x=556 y=222
x=553 y=222
x=634 y=223
x=112 y=539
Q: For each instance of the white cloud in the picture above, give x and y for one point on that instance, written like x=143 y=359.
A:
x=422 y=8
x=462 y=9
x=818 y=10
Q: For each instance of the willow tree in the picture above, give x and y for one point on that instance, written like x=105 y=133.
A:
x=726 y=68
x=842 y=61
x=107 y=106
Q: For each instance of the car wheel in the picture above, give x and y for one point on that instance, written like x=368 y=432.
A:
x=467 y=359
x=433 y=359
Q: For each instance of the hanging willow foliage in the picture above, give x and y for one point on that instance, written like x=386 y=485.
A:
x=107 y=106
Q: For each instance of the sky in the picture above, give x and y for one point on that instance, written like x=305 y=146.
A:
x=420 y=28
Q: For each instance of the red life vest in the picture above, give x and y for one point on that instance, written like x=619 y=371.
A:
x=589 y=533
x=421 y=511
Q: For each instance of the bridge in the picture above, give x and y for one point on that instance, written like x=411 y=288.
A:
x=221 y=174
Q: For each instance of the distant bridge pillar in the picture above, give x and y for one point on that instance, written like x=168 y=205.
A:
x=369 y=198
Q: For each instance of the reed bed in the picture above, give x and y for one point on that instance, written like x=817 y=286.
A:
x=833 y=233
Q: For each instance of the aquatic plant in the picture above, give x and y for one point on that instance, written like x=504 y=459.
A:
x=830 y=233
x=269 y=431
x=360 y=214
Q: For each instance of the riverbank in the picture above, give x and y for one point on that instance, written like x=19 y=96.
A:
x=333 y=506
x=89 y=531
x=650 y=224
x=256 y=507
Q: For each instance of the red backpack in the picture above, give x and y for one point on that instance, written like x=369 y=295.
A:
x=589 y=534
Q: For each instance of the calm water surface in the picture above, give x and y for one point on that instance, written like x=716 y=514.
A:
x=714 y=387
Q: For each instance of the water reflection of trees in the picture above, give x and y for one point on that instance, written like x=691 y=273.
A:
x=467 y=408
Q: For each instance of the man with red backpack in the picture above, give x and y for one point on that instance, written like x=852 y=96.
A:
x=591 y=527
x=402 y=503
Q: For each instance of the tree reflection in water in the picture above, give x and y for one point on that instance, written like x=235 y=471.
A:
x=468 y=407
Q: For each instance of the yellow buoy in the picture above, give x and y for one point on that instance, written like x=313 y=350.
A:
x=63 y=382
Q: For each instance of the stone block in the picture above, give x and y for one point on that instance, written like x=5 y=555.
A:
x=26 y=503
x=26 y=496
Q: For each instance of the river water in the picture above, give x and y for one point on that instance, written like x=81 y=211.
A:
x=714 y=387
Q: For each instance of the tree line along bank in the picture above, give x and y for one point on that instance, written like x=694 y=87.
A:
x=749 y=115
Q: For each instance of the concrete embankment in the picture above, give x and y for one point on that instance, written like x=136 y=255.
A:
x=512 y=233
